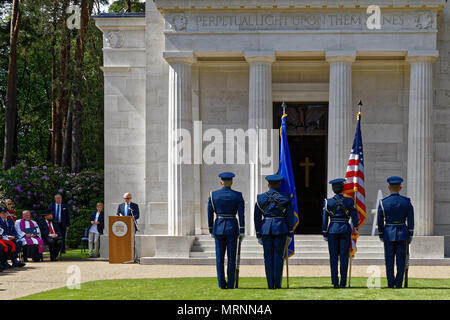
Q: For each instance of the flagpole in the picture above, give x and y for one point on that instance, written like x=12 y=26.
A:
x=355 y=189
x=286 y=252
x=287 y=264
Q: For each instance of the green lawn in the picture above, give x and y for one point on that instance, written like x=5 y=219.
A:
x=250 y=288
x=71 y=254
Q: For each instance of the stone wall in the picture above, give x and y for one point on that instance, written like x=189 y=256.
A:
x=157 y=123
x=441 y=80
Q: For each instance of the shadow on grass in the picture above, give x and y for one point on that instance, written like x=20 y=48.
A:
x=300 y=287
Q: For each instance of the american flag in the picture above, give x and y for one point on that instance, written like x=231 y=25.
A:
x=354 y=184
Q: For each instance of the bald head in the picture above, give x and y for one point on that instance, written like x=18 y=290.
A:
x=26 y=215
x=127 y=197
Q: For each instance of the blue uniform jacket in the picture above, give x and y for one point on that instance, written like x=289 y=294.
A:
x=339 y=222
x=8 y=228
x=225 y=203
x=393 y=212
x=65 y=214
x=275 y=222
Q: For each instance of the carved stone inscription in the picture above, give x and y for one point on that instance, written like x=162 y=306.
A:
x=396 y=20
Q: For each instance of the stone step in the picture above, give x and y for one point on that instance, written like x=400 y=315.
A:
x=306 y=247
x=292 y=261
x=300 y=248
x=299 y=255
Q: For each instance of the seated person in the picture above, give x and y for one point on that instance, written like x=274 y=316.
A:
x=51 y=235
x=5 y=252
x=9 y=238
x=96 y=229
x=29 y=235
x=12 y=213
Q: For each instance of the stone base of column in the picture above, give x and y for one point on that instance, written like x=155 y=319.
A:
x=155 y=246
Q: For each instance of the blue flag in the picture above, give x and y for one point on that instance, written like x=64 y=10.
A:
x=288 y=183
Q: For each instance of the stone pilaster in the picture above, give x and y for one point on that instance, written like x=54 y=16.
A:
x=420 y=140
x=340 y=113
x=181 y=216
x=260 y=115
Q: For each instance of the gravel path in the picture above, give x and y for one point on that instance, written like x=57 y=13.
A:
x=42 y=276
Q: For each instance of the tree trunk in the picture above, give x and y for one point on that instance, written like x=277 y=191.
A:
x=129 y=5
x=63 y=92
x=67 y=147
x=11 y=90
x=53 y=96
x=86 y=11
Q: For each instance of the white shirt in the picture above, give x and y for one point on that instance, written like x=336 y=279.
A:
x=93 y=227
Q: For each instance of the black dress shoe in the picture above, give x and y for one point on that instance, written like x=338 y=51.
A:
x=6 y=265
x=18 y=264
x=336 y=286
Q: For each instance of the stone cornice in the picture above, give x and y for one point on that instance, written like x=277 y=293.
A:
x=260 y=56
x=422 y=56
x=173 y=5
x=119 y=22
x=180 y=57
x=347 y=56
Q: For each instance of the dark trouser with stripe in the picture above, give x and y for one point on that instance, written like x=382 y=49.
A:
x=395 y=251
x=339 y=246
x=274 y=246
x=226 y=244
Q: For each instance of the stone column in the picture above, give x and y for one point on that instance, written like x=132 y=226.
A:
x=260 y=116
x=181 y=216
x=340 y=113
x=420 y=140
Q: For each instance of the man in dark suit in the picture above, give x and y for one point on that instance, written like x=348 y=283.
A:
x=61 y=217
x=51 y=235
x=128 y=208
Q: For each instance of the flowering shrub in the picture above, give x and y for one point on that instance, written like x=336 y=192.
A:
x=34 y=188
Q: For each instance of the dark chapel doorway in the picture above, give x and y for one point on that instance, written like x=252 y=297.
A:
x=307 y=128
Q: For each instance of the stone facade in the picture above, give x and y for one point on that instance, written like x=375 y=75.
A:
x=224 y=62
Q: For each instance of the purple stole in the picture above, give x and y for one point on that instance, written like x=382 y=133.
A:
x=28 y=241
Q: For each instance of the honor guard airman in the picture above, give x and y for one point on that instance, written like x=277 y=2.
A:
x=337 y=212
x=225 y=203
x=395 y=229
x=274 y=224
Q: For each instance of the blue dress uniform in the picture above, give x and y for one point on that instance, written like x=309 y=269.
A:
x=337 y=212
x=225 y=203
x=278 y=223
x=393 y=212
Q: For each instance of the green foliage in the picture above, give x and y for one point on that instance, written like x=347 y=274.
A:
x=39 y=39
x=121 y=6
x=33 y=188
x=79 y=221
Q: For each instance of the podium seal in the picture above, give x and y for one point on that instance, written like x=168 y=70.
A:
x=119 y=228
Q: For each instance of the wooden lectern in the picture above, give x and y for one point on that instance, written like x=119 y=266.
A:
x=121 y=239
